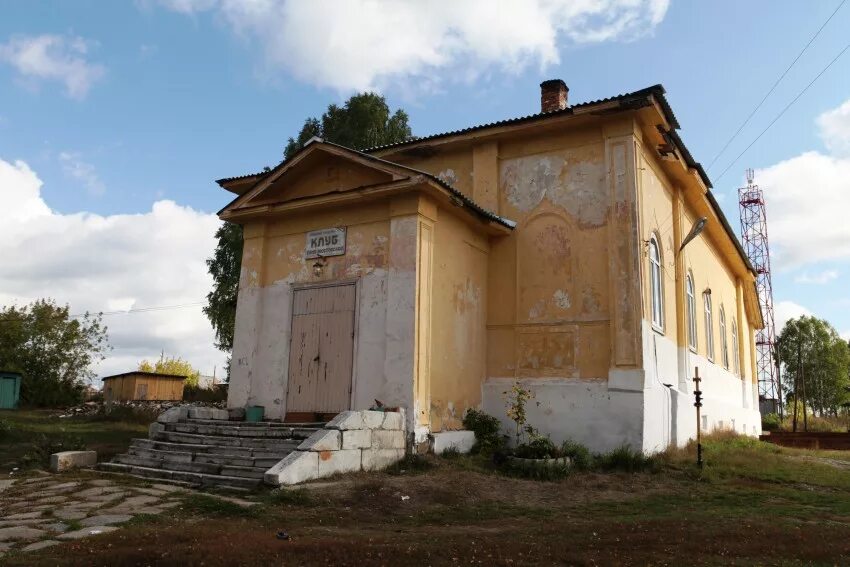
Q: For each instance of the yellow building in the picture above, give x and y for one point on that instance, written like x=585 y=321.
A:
x=433 y=274
x=139 y=385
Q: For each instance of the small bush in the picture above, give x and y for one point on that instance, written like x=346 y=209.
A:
x=771 y=422
x=44 y=446
x=5 y=429
x=450 y=453
x=487 y=429
x=205 y=395
x=581 y=458
x=625 y=459
x=537 y=448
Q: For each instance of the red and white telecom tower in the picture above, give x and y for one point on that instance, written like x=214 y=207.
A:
x=754 y=236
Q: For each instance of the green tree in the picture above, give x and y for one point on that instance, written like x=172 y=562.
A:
x=362 y=122
x=812 y=345
x=52 y=350
x=175 y=366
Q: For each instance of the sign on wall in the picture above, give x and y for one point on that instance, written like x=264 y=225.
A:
x=325 y=242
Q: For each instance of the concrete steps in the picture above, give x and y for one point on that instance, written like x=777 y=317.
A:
x=211 y=453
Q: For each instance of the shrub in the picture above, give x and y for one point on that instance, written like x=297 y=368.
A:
x=581 y=458
x=5 y=429
x=44 y=446
x=130 y=414
x=625 y=459
x=205 y=395
x=770 y=422
x=537 y=448
x=486 y=428
x=450 y=453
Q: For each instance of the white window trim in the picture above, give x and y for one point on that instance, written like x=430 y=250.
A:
x=724 y=341
x=691 y=305
x=736 y=346
x=656 y=285
x=709 y=324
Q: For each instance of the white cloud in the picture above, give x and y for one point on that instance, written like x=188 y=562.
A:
x=784 y=311
x=117 y=262
x=807 y=198
x=821 y=278
x=835 y=129
x=364 y=44
x=53 y=58
x=845 y=335
x=85 y=172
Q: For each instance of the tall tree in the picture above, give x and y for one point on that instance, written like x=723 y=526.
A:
x=53 y=351
x=810 y=347
x=174 y=366
x=363 y=121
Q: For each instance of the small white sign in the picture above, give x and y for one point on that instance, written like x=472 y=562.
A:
x=325 y=242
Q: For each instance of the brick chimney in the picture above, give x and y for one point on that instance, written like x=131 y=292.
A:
x=553 y=95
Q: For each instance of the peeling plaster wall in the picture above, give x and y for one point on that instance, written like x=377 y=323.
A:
x=459 y=317
x=273 y=261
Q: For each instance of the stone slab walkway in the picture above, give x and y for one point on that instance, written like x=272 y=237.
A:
x=42 y=511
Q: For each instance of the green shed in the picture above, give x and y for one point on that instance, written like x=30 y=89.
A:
x=10 y=389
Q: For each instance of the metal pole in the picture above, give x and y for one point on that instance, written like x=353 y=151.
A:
x=698 y=405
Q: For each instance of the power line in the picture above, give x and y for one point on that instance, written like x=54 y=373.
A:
x=773 y=88
x=778 y=116
x=122 y=312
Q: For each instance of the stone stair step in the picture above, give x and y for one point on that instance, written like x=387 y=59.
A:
x=234 y=431
x=265 y=424
x=227 y=450
x=219 y=440
x=194 y=467
x=209 y=458
x=192 y=478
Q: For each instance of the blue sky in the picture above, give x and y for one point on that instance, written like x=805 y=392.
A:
x=137 y=103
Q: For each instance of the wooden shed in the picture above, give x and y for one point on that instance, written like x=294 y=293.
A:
x=143 y=386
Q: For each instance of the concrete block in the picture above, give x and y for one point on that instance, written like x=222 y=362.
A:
x=200 y=413
x=356 y=439
x=322 y=440
x=220 y=414
x=372 y=419
x=460 y=440
x=346 y=420
x=155 y=429
x=333 y=462
x=377 y=459
x=393 y=420
x=67 y=460
x=236 y=414
x=384 y=439
x=173 y=415
x=298 y=466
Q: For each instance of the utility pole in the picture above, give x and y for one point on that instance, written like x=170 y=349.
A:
x=698 y=405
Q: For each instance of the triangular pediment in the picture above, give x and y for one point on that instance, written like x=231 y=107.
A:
x=317 y=170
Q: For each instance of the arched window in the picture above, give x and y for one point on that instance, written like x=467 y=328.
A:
x=724 y=344
x=709 y=333
x=655 y=284
x=692 y=312
x=736 y=355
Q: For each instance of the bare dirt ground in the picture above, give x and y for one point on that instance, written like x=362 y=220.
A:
x=751 y=506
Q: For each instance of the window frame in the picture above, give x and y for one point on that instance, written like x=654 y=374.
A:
x=691 y=306
x=736 y=346
x=724 y=341
x=709 y=323
x=656 y=284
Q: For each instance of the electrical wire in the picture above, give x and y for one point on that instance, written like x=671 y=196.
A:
x=773 y=88
x=778 y=116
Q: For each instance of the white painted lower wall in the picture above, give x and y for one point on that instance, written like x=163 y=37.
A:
x=670 y=413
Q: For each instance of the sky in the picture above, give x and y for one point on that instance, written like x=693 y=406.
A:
x=117 y=117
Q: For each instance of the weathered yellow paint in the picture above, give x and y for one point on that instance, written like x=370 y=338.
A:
x=563 y=296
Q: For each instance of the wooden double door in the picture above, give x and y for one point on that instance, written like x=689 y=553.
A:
x=321 y=353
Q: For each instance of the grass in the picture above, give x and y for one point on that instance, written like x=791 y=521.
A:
x=32 y=434
x=752 y=504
